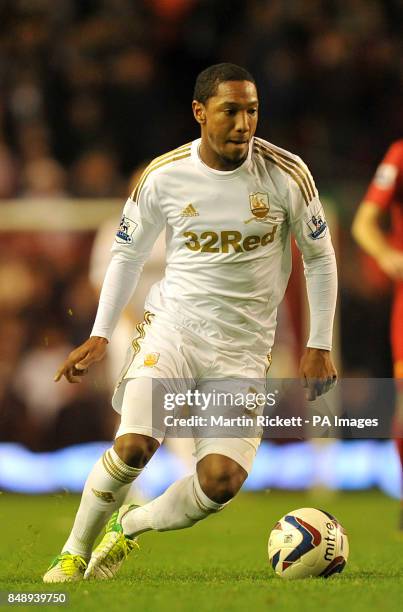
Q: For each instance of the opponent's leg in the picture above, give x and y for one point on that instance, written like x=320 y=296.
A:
x=398 y=436
x=399 y=445
x=187 y=501
x=397 y=351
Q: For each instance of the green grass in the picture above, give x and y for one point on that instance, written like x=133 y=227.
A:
x=220 y=564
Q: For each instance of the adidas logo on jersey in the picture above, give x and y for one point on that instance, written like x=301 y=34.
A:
x=189 y=211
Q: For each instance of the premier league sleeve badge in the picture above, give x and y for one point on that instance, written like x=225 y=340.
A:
x=125 y=231
x=317 y=225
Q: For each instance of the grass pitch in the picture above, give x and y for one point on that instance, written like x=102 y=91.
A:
x=219 y=564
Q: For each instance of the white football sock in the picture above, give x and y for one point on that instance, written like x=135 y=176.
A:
x=182 y=505
x=104 y=491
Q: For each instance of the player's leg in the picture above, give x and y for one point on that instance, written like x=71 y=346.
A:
x=398 y=428
x=397 y=350
x=216 y=481
x=222 y=467
x=106 y=488
x=398 y=417
x=109 y=481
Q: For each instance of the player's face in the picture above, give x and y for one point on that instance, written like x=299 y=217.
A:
x=228 y=122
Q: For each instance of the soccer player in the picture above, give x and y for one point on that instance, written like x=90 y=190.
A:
x=229 y=202
x=385 y=194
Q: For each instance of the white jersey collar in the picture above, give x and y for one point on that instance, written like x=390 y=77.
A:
x=221 y=175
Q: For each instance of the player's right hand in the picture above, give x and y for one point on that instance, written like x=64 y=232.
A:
x=79 y=360
x=391 y=262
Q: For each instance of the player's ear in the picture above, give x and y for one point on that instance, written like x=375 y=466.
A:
x=199 y=112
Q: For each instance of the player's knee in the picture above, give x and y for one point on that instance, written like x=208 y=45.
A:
x=220 y=477
x=135 y=449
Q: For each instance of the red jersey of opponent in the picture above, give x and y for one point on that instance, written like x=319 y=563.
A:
x=386 y=190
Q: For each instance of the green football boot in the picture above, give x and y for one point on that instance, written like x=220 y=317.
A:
x=113 y=549
x=66 y=568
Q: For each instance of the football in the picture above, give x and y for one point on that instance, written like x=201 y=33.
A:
x=308 y=542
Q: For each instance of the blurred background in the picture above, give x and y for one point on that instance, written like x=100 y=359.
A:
x=89 y=93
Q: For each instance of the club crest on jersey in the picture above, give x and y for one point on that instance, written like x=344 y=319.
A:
x=125 y=230
x=259 y=204
x=151 y=359
x=259 y=207
x=317 y=226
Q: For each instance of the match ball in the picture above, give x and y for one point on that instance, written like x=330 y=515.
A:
x=308 y=542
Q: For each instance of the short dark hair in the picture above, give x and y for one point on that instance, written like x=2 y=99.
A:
x=209 y=79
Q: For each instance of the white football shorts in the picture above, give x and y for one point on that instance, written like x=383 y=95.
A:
x=165 y=360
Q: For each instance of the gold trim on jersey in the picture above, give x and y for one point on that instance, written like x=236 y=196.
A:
x=269 y=358
x=290 y=166
x=173 y=152
x=148 y=317
x=171 y=156
x=137 y=193
x=302 y=171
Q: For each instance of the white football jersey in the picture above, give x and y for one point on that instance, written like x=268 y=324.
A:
x=228 y=251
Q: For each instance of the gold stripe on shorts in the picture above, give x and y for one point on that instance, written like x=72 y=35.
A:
x=140 y=328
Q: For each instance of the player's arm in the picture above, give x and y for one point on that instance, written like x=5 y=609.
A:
x=308 y=223
x=141 y=224
x=366 y=227
x=367 y=231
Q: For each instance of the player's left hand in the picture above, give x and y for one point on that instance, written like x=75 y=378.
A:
x=317 y=372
